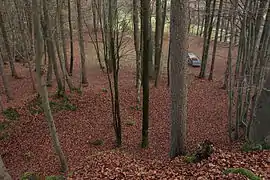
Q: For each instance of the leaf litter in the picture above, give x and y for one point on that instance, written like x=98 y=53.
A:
x=29 y=148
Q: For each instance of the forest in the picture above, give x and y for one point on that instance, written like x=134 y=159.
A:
x=134 y=89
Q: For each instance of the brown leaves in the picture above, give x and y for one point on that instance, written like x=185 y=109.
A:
x=207 y=119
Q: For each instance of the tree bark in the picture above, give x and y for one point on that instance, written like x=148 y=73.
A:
x=207 y=36
x=48 y=34
x=158 y=39
x=4 y=175
x=146 y=58
x=158 y=52
x=215 y=41
x=71 y=39
x=84 y=81
x=136 y=34
x=42 y=87
x=6 y=43
x=178 y=39
x=5 y=79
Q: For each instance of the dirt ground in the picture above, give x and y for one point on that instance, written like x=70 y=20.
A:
x=195 y=46
x=128 y=61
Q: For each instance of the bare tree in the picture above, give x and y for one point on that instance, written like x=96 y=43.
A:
x=146 y=58
x=6 y=43
x=48 y=35
x=81 y=45
x=160 y=24
x=178 y=52
x=5 y=80
x=207 y=34
x=71 y=38
x=215 y=40
x=42 y=89
x=136 y=34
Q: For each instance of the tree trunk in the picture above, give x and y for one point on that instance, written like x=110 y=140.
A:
x=158 y=39
x=178 y=39
x=160 y=23
x=95 y=41
x=168 y=65
x=71 y=38
x=42 y=87
x=66 y=78
x=199 y=19
x=48 y=34
x=84 y=81
x=49 y=73
x=207 y=36
x=4 y=175
x=230 y=88
x=215 y=41
x=146 y=58
x=5 y=79
x=62 y=33
x=136 y=34
x=6 y=43
x=106 y=35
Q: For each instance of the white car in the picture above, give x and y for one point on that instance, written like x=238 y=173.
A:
x=193 y=60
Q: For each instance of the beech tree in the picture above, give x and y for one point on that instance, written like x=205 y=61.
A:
x=178 y=85
x=136 y=36
x=6 y=42
x=42 y=89
x=3 y=171
x=84 y=81
x=146 y=58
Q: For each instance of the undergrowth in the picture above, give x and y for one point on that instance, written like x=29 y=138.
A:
x=203 y=151
x=245 y=172
x=249 y=147
x=35 y=176
x=11 y=114
x=98 y=142
x=130 y=123
x=56 y=105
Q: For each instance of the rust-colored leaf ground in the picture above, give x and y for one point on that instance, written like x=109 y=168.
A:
x=27 y=146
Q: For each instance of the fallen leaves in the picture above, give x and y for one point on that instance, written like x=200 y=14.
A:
x=92 y=121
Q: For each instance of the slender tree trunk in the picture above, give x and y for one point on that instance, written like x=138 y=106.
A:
x=71 y=39
x=62 y=33
x=42 y=87
x=114 y=55
x=230 y=88
x=160 y=23
x=95 y=41
x=5 y=79
x=106 y=34
x=168 y=65
x=6 y=43
x=51 y=51
x=207 y=38
x=215 y=41
x=151 y=49
x=66 y=78
x=145 y=11
x=199 y=19
x=81 y=45
x=179 y=35
x=227 y=28
x=49 y=72
x=136 y=34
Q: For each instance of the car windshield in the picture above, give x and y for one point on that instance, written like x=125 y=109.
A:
x=194 y=59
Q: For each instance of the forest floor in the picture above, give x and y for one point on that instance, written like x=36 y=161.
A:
x=25 y=145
